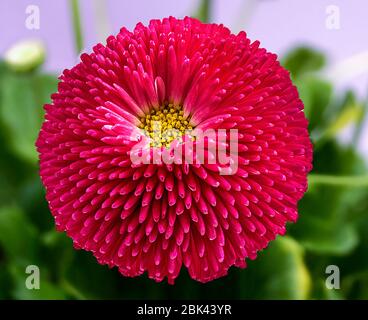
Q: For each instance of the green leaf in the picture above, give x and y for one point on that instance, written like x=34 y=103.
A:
x=19 y=240
x=303 y=60
x=325 y=224
x=338 y=116
x=316 y=95
x=350 y=114
x=22 y=97
x=31 y=196
x=18 y=237
x=327 y=235
x=278 y=273
x=12 y=171
x=361 y=123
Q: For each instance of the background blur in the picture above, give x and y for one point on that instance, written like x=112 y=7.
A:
x=322 y=43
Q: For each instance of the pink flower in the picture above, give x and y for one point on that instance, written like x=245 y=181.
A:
x=156 y=217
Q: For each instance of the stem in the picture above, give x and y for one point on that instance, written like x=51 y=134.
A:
x=347 y=181
x=204 y=11
x=77 y=26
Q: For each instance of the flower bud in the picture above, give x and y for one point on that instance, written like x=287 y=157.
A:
x=25 y=56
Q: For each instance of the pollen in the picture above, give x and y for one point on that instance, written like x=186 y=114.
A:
x=166 y=124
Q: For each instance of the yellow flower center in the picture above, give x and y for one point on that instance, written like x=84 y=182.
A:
x=165 y=125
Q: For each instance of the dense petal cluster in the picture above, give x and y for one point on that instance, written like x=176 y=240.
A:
x=157 y=217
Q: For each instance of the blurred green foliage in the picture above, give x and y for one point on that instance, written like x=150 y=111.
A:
x=332 y=228
x=204 y=11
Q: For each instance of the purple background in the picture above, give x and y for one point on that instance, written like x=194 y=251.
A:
x=278 y=24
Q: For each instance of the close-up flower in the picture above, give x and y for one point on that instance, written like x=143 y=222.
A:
x=162 y=153
x=158 y=217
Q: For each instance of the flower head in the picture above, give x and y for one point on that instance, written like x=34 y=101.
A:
x=162 y=84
